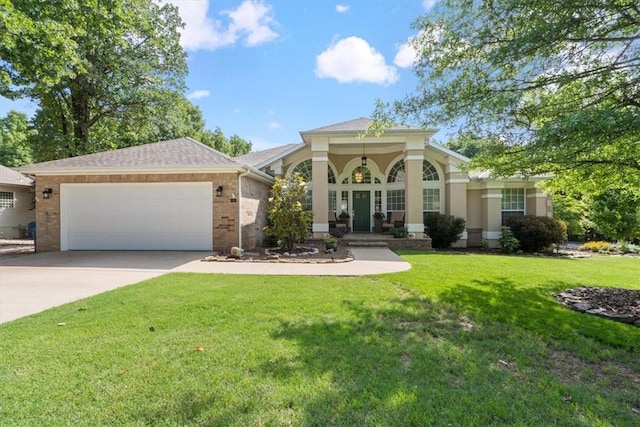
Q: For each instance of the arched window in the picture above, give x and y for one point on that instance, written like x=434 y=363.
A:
x=305 y=171
x=396 y=174
x=429 y=172
x=361 y=175
x=331 y=177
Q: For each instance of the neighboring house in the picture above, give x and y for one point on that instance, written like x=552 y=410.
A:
x=183 y=195
x=17 y=207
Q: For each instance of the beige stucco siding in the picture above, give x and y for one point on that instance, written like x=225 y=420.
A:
x=225 y=212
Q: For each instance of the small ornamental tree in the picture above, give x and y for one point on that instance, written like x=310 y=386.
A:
x=289 y=217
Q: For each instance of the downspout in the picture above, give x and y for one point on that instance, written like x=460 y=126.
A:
x=246 y=172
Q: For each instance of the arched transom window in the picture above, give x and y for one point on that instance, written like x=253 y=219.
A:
x=429 y=172
x=396 y=174
x=305 y=170
x=361 y=175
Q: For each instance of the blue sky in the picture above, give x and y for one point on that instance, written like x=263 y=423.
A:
x=265 y=70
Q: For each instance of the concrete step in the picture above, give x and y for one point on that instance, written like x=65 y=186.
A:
x=367 y=244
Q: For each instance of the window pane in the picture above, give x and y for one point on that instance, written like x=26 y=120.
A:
x=431 y=199
x=396 y=174
x=7 y=199
x=304 y=170
x=332 y=200
x=395 y=200
x=429 y=172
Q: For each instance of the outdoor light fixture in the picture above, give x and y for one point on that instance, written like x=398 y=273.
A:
x=358 y=175
x=233 y=198
x=364 y=157
x=46 y=193
x=219 y=191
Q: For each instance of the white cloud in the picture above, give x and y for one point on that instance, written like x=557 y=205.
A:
x=250 y=23
x=274 y=125
x=197 y=94
x=407 y=55
x=342 y=8
x=428 y=4
x=354 y=60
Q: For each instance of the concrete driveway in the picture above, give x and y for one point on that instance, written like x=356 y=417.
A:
x=33 y=283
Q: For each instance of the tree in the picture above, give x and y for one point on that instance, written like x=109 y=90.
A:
x=554 y=85
x=468 y=145
x=616 y=214
x=125 y=61
x=289 y=218
x=15 y=132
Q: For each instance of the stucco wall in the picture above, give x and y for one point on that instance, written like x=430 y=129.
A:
x=225 y=212
x=13 y=220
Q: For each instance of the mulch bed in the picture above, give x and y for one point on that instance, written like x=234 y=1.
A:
x=622 y=305
x=312 y=252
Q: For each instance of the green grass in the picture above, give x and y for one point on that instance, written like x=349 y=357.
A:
x=458 y=340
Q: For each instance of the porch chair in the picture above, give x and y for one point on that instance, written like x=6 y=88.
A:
x=395 y=220
x=333 y=222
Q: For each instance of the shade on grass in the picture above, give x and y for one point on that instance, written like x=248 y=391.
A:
x=459 y=339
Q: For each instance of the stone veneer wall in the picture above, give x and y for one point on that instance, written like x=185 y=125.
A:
x=225 y=212
x=253 y=216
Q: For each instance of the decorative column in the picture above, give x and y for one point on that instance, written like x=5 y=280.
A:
x=456 y=196
x=492 y=213
x=413 y=159
x=538 y=203
x=320 y=187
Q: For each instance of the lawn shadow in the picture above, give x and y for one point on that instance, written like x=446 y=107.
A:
x=413 y=362
x=536 y=310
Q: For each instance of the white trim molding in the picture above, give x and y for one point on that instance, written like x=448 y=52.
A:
x=320 y=228
x=491 y=196
x=491 y=235
x=457 y=181
x=415 y=228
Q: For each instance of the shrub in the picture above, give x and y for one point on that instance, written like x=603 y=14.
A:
x=628 y=247
x=444 y=230
x=508 y=243
x=289 y=218
x=599 y=246
x=537 y=233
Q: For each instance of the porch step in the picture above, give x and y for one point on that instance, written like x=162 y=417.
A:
x=367 y=243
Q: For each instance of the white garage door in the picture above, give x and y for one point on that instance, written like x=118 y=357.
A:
x=153 y=216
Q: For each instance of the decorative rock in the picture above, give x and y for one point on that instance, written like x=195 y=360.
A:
x=237 y=251
x=582 y=306
x=273 y=257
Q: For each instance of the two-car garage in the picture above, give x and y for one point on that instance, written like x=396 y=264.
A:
x=136 y=216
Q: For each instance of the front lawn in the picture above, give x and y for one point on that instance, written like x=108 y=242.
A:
x=459 y=340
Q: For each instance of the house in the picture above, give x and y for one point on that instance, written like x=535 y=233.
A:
x=16 y=203
x=183 y=195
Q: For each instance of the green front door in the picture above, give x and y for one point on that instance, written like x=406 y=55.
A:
x=362 y=208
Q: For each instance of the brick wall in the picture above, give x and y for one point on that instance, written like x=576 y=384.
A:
x=225 y=212
x=254 y=212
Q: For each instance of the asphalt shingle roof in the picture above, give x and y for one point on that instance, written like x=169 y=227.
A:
x=11 y=177
x=259 y=157
x=357 y=125
x=181 y=152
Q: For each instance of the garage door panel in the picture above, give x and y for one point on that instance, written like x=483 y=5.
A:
x=153 y=216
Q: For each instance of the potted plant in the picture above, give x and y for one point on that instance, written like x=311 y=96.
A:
x=378 y=219
x=331 y=242
x=400 y=232
x=344 y=216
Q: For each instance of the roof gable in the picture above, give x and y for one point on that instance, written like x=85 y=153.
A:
x=171 y=154
x=10 y=177
x=357 y=125
x=261 y=158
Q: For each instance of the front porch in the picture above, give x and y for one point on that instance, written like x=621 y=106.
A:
x=384 y=240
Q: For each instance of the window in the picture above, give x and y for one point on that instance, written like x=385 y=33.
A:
x=7 y=200
x=429 y=172
x=361 y=175
x=308 y=201
x=332 y=200
x=378 y=200
x=512 y=203
x=305 y=170
x=396 y=174
x=395 y=200
x=431 y=200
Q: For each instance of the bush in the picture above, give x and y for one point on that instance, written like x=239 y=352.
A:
x=508 y=243
x=444 y=230
x=599 y=246
x=537 y=233
x=289 y=219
